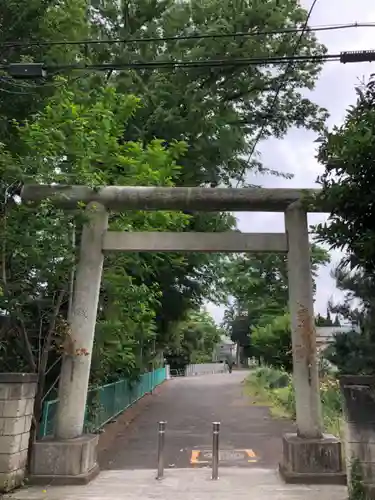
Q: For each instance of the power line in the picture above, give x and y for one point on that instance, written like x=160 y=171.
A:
x=198 y=36
x=277 y=93
x=22 y=71
x=209 y=63
x=38 y=70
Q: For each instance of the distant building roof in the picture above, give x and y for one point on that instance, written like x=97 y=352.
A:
x=325 y=332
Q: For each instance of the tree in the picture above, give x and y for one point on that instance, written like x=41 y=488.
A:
x=24 y=21
x=197 y=336
x=258 y=284
x=329 y=321
x=352 y=352
x=239 y=330
x=30 y=321
x=76 y=139
x=320 y=320
x=324 y=321
x=273 y=343
x=358 y=306
x=348 y=182
x=256 y=288
x=231 y=103
x=90 y=129
x=218 y=111
x=337 y=321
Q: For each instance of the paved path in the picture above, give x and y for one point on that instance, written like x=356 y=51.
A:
x=190 y=405
x=184 y=484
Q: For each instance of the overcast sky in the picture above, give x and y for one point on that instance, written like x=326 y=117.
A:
x=296 y=152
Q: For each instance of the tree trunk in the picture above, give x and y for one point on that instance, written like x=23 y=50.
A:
x=238 y=355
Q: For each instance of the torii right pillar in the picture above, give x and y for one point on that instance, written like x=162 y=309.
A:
x=309 y=455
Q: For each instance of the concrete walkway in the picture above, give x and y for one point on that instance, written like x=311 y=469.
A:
x=233 y=484
x=190 y=405
x=250 y=444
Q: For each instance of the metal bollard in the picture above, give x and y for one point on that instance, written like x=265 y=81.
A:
x=215 y=450
x=161 y=440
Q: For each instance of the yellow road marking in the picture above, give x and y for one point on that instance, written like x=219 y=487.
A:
x=250 y=453
x=252 y=458
x=195 y=454
x=194 y=458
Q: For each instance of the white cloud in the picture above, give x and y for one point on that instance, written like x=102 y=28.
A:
x=296 y=152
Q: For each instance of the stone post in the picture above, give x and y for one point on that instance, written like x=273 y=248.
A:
x=305 y=366
x=71 y=456
x=17 y=393
x=308 y=455
x=75 y=371
x=359 y=412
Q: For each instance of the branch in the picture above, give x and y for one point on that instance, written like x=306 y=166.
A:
x=51 y=329
x=44 y=356
x=3 y=256
x=29 y=351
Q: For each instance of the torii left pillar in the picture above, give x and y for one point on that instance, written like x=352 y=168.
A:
x=70 y=456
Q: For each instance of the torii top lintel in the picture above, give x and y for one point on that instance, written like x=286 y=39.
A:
x=119 y=198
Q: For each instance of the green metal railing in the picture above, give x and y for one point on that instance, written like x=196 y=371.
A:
x=104 y=403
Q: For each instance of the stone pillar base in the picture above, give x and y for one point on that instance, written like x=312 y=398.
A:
x=72 y=461
x=312 y=461
x=369 y=491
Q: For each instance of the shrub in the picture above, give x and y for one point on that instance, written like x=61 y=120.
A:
x=277 y=386
x=330 y=395
x=326 y=368
x=352 y=353
x=273 y=343
x=285 y=397
x=272 y=378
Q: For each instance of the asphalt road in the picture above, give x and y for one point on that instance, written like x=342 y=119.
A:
x=249 y=436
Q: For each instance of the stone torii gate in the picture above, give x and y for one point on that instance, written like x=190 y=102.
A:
x=308 y=455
